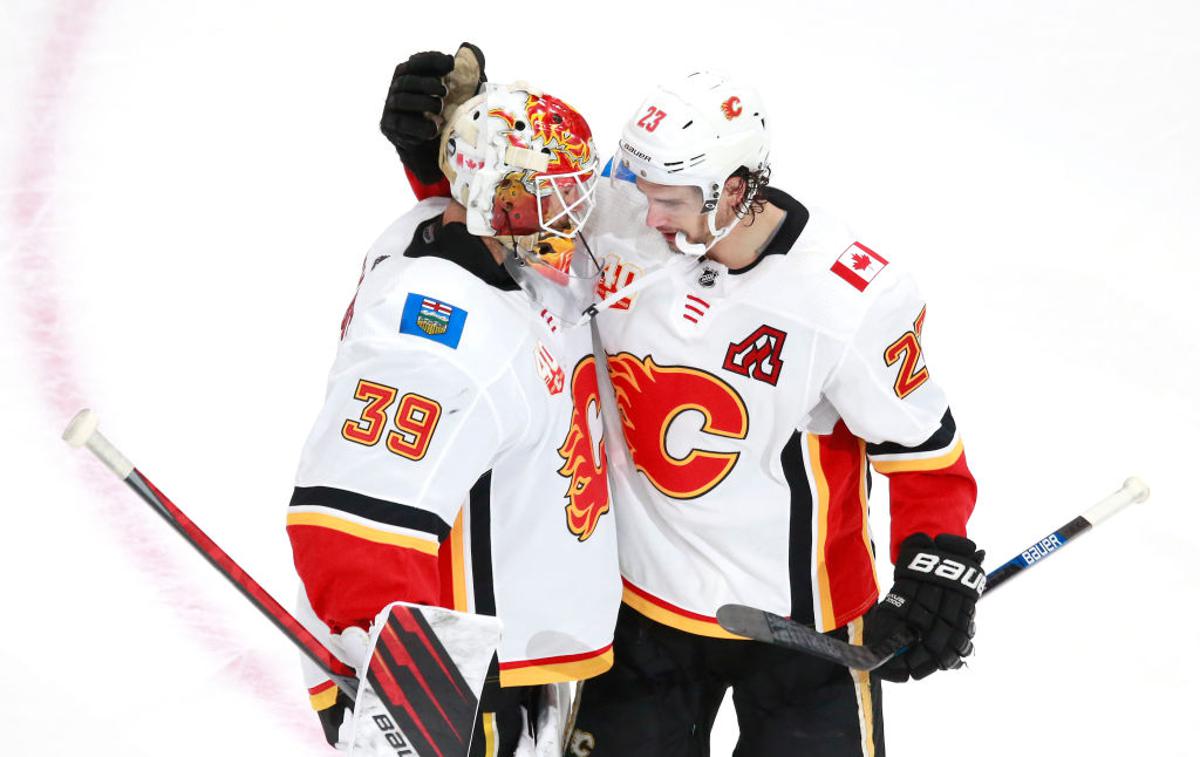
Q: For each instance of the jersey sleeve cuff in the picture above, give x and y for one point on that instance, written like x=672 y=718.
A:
x=941 y=450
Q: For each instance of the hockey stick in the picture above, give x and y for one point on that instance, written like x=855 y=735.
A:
x=83 y=431
x=572 y=716
x=761 y=625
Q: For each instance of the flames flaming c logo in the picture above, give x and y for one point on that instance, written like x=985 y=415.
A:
x=732 y=108
x=650 y=397
x=587 y=469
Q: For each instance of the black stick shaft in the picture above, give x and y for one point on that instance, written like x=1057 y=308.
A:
x=768 y=627
x=1038 y=551
x=83 y=431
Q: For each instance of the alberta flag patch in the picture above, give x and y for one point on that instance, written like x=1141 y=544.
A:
x=433 y=319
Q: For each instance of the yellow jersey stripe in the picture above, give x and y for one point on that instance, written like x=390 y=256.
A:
x=825 y=622
x=668 y=617
x=324 y=520
x=557 y=672
x=920 y=464
x=458 y=565
x=489 y=734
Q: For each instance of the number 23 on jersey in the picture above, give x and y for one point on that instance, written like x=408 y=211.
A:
x=907 y=352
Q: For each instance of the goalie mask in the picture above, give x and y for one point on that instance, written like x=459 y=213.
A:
x=523 y=165
x=696 y=132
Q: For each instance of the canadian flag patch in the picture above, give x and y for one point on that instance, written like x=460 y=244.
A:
x=858 y=266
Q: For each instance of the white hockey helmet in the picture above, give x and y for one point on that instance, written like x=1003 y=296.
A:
x=697 y=131
x=510 y=152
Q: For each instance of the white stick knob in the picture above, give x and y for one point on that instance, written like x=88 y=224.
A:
x=83 y=430
x=1133 y=490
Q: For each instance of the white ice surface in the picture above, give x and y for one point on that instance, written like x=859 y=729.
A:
x=188 y=189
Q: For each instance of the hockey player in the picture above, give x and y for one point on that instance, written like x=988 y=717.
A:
x=757 y=381
x=458 y=460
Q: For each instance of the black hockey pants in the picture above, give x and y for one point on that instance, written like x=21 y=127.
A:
x=663 y=692
x=499 y=723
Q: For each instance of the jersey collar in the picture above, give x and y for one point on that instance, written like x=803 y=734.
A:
x=787 y=233
x=452 y=242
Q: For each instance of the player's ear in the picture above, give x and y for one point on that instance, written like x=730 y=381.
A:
x=735 y=190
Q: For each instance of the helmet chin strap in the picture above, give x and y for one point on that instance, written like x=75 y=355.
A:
x=699 y=248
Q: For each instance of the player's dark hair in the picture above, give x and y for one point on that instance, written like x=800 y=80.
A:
x=754 y=196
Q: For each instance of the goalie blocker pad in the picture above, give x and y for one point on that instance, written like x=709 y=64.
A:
x=420 y=693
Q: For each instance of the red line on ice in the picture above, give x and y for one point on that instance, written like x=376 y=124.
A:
x=42 y=322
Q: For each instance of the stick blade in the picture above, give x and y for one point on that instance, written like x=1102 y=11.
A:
x=745 y=621
x=770 y=628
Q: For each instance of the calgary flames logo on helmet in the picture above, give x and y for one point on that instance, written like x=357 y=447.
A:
x=563 y=131
x=732 y=108
x=650 y=397
x=585 y=464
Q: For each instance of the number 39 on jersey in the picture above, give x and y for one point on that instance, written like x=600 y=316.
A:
x=416 y=419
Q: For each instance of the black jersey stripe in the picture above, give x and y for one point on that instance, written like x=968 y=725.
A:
x=940 y=439
x=800 y=534
x=377 y=510
x=480 y=504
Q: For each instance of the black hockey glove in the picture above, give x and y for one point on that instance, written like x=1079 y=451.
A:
x=424 y=88
x=937 y=584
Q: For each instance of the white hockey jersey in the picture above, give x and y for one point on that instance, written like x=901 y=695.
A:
x=459 y=460
x=750 y=402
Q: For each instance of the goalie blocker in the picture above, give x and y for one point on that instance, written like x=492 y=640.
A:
x=422 y=673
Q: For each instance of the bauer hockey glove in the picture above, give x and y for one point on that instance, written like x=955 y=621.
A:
x=424 y=89
x=938 y=581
